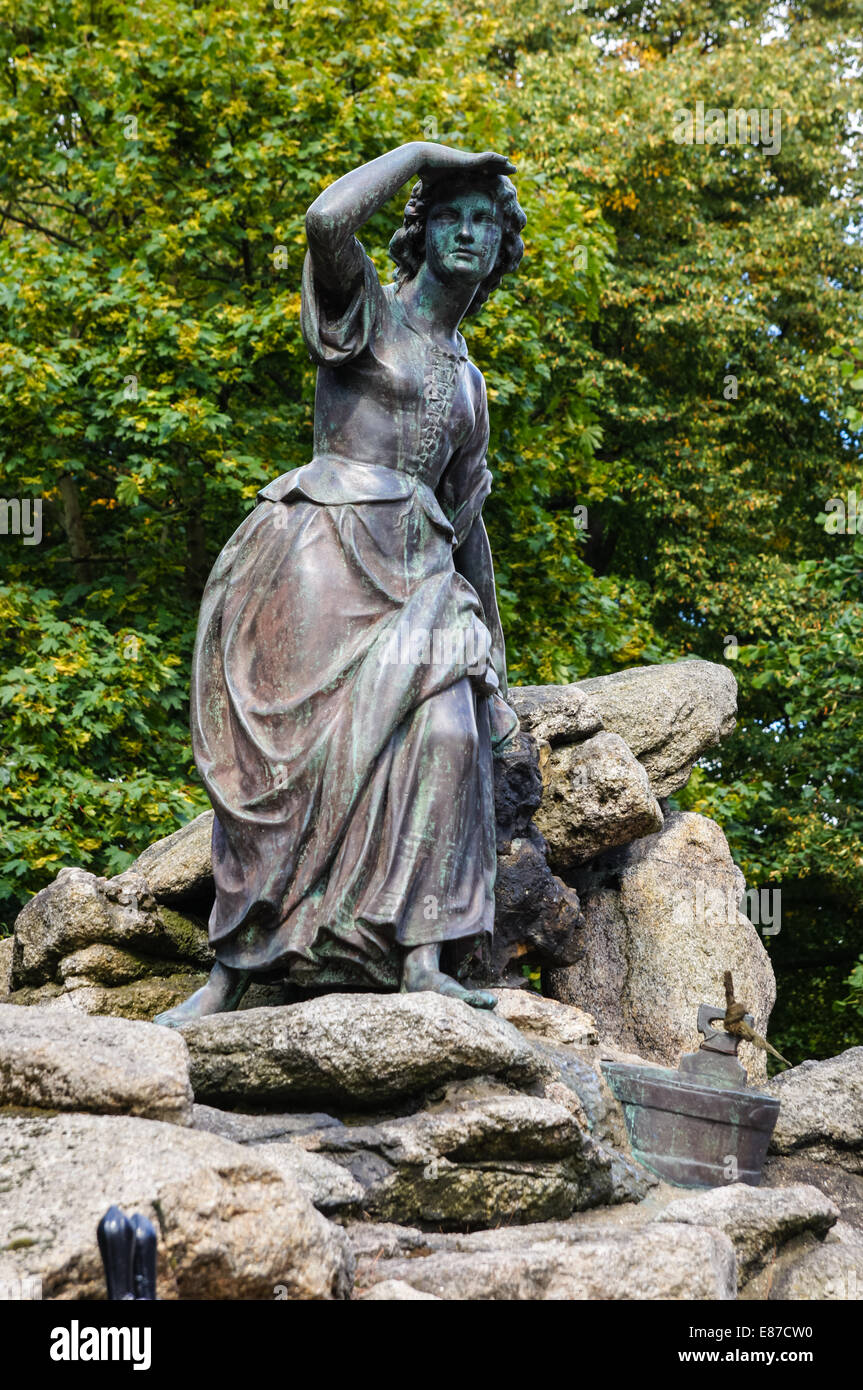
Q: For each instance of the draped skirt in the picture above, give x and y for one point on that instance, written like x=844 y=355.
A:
x=339 y=730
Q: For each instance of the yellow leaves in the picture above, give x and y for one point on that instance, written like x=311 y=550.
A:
x=187 y=338
x=32 y=295
x=618 y=200
x=235 y=109
x=67 y=664
x=44 y=861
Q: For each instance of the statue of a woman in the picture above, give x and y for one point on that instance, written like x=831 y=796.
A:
x=349 y=671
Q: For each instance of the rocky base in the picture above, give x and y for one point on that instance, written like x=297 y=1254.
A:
x=385 y=1146
x=397 y=1146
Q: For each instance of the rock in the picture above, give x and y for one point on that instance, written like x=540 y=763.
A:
x=109 y=1066
x=555 y=713
x=759 y=1221
x=509 y=1159
x=259 y=1129
x=350 y=1049
x=842 y=1187
x=669 y=714
x=229 y=1225
x=579 y=1073
x=328 y=1185
x=821 y=1110
x=139 y=1000
x=180 y=867
x=5 y=965
x=79 y=910
x=392 y=1289
x=100 y=964
x=662 y=926
x=595 y=795
x=553 y=1261
x=545 y=1018
x=517 y=788
x=824 y=1271
x=106 y=946
x=536 y=914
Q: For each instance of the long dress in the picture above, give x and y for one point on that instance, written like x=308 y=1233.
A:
x=336 y=719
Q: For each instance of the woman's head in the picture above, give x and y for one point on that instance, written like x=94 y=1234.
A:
x=450 y=203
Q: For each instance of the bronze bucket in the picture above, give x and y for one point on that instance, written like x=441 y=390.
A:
x=699 y=1126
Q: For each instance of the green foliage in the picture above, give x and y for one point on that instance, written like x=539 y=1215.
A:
x=723 y=369
x=854 y=1000
x=94 y=762
x=157 y=166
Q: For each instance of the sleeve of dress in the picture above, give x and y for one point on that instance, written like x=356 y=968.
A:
x=333 y=337
x=466 y=482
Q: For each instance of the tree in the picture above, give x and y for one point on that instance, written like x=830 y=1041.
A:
x=158 y=164
x=722 y=369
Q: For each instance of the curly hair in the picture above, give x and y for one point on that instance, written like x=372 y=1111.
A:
x=408 y=245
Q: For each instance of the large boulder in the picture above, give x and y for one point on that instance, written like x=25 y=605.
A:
x=662 y=927
x=759 y=1221
x=821 y=1110
x=495 y=1159
x=844 y=1188
x=548 y=1019
x=180 y=867
x=79 y=910
x=553 y=1261
x=816 y=1271
x=350 y=1049
x=68 y=1061
x=669 y=715
x=555 y=713
x=595 y=795
x=229 y=1224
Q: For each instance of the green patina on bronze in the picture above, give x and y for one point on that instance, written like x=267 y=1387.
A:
x=698 y=1126
x=349 y=676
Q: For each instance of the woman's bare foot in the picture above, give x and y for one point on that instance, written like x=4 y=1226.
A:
x=421 y=970
x=220 y=995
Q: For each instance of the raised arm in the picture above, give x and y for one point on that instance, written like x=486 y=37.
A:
x=337 y=214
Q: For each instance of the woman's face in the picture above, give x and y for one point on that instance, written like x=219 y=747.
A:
x=463 y=236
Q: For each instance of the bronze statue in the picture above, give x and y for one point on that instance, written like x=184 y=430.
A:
x=349 y=672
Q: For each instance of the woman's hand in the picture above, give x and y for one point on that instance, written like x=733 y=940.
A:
x=440 y=159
